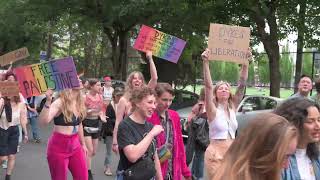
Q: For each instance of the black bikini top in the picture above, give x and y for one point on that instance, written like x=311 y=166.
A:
x=59 y=120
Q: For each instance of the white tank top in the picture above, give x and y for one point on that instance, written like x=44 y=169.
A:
x=222 y=126
x=4 y=124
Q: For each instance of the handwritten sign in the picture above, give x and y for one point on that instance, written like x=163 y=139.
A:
x=57 y=74
x=14 y=56
x=229 y=43
x=9 y=88
x=161 y=45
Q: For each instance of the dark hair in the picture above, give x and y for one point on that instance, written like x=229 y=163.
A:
x=8 y=74
x=138 y=94
x=303 y=76
x=118 y=91
x=317 y=85
x=162 y=88
x=92 y=81
x=295 y=111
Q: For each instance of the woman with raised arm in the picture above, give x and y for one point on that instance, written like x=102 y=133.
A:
x=134 y=81
x=96 y=111
x=221 y=108
x=66 y=146
x=13 y=113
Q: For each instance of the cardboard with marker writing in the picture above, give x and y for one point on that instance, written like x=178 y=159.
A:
x=14 y=56
x=229 y=43
x=37 y=78
x=9 y=89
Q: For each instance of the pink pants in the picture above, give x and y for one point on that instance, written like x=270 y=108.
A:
x=65 y=152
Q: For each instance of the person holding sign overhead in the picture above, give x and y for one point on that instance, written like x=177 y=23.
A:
x=66 y=147
x=221 y=107
x=13 y=113
x=134 y=81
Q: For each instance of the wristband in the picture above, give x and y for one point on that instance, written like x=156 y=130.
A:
x=114 y=144
x=46 y=106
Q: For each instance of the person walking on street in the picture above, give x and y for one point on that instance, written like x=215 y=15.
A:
x=13 y=113
x=66 y=146
x=170 y=145
x=221 y=108
x=135 y=80
x=32 y=115
x=136 y=138
x=95 y=112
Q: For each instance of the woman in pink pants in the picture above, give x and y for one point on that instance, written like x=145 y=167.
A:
x=66 y=147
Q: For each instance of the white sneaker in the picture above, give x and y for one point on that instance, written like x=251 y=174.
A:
x=5 y=164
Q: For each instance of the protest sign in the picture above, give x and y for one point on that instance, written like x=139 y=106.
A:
x=9 y=88
x=14 y=56
x=229 y=43
x=161 y=45
x=57 y=74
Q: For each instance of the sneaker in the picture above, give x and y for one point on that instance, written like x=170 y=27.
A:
x=108 y=172
x=18 y=148
x=4 y=164
x=37 y=141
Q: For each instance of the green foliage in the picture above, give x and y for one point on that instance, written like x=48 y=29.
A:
x=263 y=69
x=286 y=66
x=307 y=64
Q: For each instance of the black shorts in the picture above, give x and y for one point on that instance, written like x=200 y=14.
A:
x=9 y=140
x=91 y=123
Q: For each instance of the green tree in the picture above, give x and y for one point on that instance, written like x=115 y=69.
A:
x=286 y=67
x=307 y=64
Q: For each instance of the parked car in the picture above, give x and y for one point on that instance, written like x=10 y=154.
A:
x=252 y=105
x=249 y=107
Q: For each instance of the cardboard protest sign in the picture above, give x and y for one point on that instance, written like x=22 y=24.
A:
x=9 y=88
x=229 y=43
x=161 y=45
x=14 y=56
x=57 y=74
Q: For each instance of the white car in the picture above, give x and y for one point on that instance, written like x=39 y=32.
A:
x=249 y=107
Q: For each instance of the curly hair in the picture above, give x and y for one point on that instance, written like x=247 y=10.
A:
x=295 y=111
x=138 y=94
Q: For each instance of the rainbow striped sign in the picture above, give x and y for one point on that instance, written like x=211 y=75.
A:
x=57 y=74
x=160 y=44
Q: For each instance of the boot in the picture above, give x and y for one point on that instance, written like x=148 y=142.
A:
x=8 y=177
x=90 y=177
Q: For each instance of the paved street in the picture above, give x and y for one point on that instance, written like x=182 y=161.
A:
x=32 y=164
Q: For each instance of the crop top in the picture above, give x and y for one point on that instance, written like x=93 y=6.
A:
x=222 y=125
x=59 y=120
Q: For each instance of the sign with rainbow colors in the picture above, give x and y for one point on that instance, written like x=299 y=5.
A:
x=161 y=45
x=57 y=74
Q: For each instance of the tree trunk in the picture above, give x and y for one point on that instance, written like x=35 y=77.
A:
x=123 y=55
x=270 y=43
x=300 y=44
x=118 y=40
x=49 y=46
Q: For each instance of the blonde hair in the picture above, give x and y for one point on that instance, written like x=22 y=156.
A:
x=215 y=99
x=66 y=100
x=129 y=87
x=260 y=150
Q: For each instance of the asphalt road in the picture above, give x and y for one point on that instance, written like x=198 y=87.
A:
x=31 y=161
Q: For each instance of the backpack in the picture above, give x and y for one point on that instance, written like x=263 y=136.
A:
x=201 y=132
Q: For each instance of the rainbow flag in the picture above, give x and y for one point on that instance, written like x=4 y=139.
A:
x=37 y=78
x=162 y=45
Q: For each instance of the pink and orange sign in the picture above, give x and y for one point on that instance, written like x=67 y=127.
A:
x=161 y=45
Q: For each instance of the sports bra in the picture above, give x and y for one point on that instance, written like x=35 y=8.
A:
x=59 y=120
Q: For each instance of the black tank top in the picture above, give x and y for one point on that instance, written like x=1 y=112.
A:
x=60 y=121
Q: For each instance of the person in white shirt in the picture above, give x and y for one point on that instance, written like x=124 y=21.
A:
x=107 y=90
